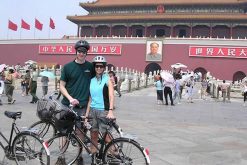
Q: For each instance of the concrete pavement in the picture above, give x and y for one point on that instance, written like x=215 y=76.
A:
x=205 y=132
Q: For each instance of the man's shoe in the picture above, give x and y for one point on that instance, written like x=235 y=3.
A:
x=60 y=161
x=13 y=101
x=31 y=102
x=79 y=161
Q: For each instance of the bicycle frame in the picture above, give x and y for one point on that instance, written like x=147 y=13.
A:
x=88 y=139
x=15 y=129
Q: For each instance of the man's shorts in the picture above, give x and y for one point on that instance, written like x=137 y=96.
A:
x=99 y=120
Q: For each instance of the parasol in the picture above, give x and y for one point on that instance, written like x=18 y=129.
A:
x=178 y=65
x=166 y=76
x=47 y=74
x=30 y=62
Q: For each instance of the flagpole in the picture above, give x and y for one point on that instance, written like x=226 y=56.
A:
x=34 y=27
x=20 y=33
x=8 y=34
x=49 y=32
x=8 y=31
x=34 y=33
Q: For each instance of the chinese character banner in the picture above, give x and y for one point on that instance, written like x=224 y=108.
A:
x=218 y=51
x=103 y=49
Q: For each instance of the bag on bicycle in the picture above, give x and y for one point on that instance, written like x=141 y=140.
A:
x=45 y=114
x=64 y=121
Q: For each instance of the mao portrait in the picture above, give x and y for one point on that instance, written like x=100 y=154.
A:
x=154 y=51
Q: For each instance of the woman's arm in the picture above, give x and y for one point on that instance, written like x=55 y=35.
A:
x=111 y=98
x=88 y=107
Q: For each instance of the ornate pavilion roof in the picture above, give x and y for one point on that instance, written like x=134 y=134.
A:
x=111 y=3
x=182 y=16
x=158 y=16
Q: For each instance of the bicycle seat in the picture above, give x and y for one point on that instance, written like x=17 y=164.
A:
x=13 y=115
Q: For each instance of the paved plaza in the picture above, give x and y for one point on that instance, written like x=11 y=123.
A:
x=205 y=132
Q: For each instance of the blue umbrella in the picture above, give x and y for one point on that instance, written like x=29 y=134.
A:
x=47 y=74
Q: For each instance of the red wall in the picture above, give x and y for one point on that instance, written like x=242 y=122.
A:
x=133 y=56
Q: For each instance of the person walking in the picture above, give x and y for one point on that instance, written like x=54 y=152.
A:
x=10 y=85
x=33 y=85
x=44 y=82
x=75 y=81
x=190 y=86
x=245 y=92
x=204 y=87
x=114 y=79
x=177 y=90
x=168 y=86
x=1 y=86
x=100 y=105
x=159 y=89
x=223 y=88
x=27 y=78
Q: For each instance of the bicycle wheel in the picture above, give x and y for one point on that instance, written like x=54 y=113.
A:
x=64 y=149
x=44 y=129
x=28 y=148
x=125 y=151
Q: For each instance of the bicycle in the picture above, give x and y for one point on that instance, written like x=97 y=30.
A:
x=25 y=147
x=46 y=109
x=67 y=146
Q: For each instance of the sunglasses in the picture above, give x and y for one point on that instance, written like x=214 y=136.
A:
x=82 y=51
x=99 y=66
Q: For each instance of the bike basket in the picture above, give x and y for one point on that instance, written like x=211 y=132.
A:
x=65 y=121
x=45 y=109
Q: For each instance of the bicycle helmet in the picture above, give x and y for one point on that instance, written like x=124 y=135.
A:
x=65 y=121
x=99 y=59
x=82 y=44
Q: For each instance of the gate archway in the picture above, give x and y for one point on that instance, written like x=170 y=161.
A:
x=152 y=67
x=239 y=75
x=202 y=70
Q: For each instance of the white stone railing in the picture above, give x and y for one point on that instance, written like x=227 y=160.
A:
x=131 y=79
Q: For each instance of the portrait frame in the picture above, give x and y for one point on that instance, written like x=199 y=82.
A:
x=154 y=53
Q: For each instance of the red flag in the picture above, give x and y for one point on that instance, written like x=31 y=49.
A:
x=52 y=24
x=12 y=26
x=25 y=25
x=38 y=25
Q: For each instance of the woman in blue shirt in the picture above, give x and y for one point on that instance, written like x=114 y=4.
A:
x=101 y=100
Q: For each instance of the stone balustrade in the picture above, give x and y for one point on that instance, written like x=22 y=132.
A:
x=130 y=80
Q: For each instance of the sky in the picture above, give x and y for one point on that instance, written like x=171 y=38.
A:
x=42 y=10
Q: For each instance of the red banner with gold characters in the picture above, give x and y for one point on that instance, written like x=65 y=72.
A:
x=218 y=51
x=68 y=49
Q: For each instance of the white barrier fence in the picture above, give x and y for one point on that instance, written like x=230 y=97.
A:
x=131 y=79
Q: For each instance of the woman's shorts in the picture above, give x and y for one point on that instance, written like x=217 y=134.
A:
x=99 y=121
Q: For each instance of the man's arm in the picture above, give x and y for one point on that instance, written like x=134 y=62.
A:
x=66 y=94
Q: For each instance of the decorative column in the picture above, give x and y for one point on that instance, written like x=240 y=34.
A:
x=78 y=31
x=94 y=31
x=211 y=31
x=191 y=30
x=145 y=30
x=231 y=31
x=128 y=31
x=172 y=31
x=110 y=30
